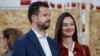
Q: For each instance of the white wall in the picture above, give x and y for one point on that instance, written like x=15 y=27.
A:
x=9 y=3
x=16 y=3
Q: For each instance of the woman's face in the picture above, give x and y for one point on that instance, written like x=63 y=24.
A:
x=5 y=43
x=68 y=27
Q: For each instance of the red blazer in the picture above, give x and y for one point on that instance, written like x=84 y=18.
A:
x=79 y=50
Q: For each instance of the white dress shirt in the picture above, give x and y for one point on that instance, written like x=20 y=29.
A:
x=71 y=52
x=44 y=43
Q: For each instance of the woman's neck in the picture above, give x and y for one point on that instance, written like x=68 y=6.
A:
x=67 y=42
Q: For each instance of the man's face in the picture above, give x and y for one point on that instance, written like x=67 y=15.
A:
x=43 y=18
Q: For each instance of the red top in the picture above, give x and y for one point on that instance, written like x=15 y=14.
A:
x=79 y=50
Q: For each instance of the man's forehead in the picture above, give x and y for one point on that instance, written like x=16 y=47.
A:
x=44 y=9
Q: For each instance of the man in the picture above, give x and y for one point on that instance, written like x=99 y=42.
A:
x=37 y=42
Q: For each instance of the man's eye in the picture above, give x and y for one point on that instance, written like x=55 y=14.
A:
x=45 y=14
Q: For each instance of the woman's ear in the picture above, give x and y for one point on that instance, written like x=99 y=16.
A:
x=34 y=18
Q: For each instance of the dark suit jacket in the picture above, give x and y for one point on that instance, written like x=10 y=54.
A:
x=28 y=45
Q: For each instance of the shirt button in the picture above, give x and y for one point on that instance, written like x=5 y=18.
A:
x=74 y=52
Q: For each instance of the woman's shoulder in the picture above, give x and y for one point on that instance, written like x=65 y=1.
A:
x=81 y=46
x=86 y=49
x=85 y=46
x=8 y=53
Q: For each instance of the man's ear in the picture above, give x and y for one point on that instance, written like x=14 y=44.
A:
x=34 y=18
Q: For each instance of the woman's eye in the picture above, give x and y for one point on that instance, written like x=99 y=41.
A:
x=64 y=24
x=72 y=24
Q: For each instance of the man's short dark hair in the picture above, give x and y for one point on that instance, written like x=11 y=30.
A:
x=34 y=8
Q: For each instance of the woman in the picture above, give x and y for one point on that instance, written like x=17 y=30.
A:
x=66 y=36
x=9 y=36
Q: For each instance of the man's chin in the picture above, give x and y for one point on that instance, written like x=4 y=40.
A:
x=46 y=27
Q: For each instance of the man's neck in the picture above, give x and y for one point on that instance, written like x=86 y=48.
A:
x=42 y=32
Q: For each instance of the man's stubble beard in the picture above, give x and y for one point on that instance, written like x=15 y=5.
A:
x=43 y=26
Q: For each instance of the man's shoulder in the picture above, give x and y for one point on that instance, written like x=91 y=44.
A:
x=22 y=39
x=52 y=40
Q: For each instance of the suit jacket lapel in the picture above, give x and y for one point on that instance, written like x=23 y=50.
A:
x=52 y=48
x=36 y=42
